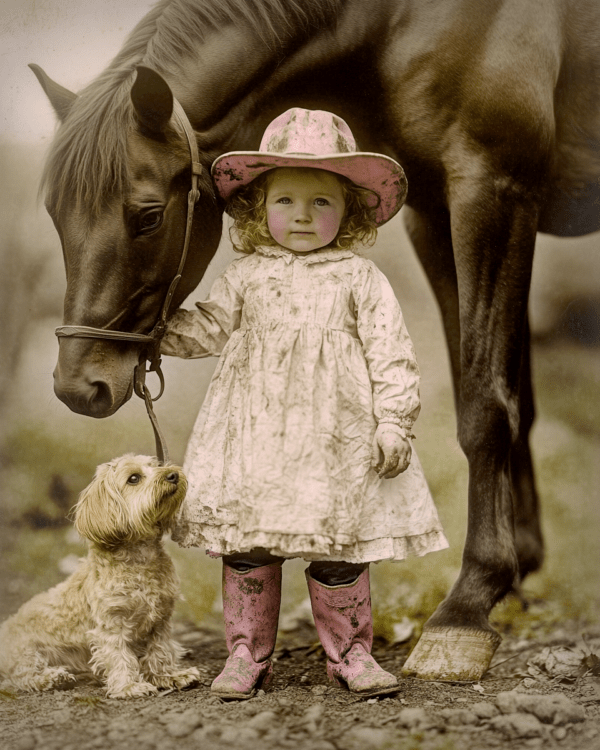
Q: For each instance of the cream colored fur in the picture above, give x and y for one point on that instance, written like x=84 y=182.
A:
x=112 y=615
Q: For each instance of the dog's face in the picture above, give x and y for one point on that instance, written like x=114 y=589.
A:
x=130 y=498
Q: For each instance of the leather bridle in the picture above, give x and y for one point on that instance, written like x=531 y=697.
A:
x=151 y=353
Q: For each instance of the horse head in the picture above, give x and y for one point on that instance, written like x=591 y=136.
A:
x=116 y=184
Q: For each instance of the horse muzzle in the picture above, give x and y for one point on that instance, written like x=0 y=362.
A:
x=94 y=378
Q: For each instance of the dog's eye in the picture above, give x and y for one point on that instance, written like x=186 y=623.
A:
x=134 y=479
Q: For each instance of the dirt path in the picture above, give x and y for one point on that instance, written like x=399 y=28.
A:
x=516 y=705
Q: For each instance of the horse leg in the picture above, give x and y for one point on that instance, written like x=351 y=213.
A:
x=431 y=238
x=438 y=655
x=493 y=226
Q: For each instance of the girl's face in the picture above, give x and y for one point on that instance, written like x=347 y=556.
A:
x=304 y=208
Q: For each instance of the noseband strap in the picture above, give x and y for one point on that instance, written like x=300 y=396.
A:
x=151 y=353
x=87 y=332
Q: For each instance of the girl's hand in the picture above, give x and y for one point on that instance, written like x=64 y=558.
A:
x=391 y=452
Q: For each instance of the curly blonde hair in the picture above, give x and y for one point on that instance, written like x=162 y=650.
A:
x=247 y=207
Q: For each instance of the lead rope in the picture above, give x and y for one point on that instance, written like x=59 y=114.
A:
x=162 y=451
x=152 y=354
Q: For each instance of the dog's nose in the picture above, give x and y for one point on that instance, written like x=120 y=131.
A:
x=172 y=477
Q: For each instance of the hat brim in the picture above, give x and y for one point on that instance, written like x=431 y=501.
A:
x=376 y=172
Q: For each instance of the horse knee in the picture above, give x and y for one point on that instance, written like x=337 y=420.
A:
x=488 y=425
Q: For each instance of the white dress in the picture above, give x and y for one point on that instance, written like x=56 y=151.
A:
x=314 y=354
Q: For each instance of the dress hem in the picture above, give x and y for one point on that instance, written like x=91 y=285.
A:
x=228 y=541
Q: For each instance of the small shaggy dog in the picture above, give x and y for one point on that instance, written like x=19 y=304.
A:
x=112 y=615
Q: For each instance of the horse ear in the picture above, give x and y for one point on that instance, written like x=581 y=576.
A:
x=60 y=98
x=152 y=99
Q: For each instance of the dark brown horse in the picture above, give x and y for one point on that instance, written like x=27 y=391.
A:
x=492 y=106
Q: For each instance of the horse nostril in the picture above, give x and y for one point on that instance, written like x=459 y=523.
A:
x=99 y=392
x=172 y=477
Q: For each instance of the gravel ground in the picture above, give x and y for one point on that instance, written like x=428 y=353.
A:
x=541 y=692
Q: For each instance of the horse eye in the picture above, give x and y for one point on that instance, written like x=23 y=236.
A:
x=150 y=220
x=134 y=479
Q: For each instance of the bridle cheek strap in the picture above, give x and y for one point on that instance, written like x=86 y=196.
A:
x=151 y=353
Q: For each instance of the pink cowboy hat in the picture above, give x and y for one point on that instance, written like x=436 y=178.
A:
x=319 y=140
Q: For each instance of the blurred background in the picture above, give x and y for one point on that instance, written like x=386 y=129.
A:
x=48 y=454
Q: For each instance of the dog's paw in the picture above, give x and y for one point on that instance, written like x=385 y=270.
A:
x=185 y=678
x=47 y=679
x=179 y=680
x=132 y=690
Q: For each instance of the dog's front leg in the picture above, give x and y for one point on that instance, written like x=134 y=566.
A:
x=161 y=663
x=113 y=657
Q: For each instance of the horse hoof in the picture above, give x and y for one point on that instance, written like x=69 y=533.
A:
x=452 y=654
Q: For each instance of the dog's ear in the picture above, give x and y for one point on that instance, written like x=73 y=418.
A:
x=101 y=513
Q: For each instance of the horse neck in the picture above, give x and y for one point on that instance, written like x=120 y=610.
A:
x=231 y=86
x=212 y=86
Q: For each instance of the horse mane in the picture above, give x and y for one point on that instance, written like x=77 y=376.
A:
x=89 y=150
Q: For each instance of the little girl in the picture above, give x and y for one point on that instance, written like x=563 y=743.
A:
x=311 y=405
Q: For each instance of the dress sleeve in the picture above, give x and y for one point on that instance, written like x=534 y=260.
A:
x=205 y=331
x=388 y=349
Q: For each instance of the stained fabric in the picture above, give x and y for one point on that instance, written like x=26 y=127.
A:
x=314 y=353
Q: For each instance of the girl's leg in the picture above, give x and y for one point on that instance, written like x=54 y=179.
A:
x=256 y=558
x=341 y=605
x=251 y=598
x=332 y=573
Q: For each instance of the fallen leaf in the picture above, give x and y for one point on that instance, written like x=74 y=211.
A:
x=559 y=662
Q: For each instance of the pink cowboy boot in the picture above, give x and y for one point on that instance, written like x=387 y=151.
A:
x=345 y=627
x=251 y=612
